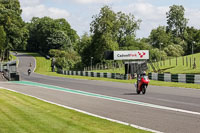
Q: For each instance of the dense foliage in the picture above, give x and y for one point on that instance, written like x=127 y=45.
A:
x=11 y=23
x=176 y=21
x=68 y=59
x=47 y=33
x=109 y=31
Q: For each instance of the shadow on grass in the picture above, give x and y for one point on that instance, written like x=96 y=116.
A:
x=164 y=69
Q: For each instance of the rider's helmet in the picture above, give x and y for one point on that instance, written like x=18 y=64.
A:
x=143 y=73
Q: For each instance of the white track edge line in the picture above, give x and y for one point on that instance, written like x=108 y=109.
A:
x=142 y=103
x=81 y=111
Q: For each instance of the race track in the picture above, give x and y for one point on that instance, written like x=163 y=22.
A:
x=164 y=109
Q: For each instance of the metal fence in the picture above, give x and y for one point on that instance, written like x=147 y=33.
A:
x=9 y=70
x=96 y=74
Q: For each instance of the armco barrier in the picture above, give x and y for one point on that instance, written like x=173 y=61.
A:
x=184 y=78
x=95 y=74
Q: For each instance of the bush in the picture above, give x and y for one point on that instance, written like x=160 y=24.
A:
x=174 y=50
x=156 y=54
x=67 y=60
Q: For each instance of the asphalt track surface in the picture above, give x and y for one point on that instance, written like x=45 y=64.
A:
x=164 y=109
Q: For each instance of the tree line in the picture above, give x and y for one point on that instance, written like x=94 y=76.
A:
x=109 y=31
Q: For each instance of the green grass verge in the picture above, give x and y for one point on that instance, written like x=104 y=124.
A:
x=24 y=114
x=170 y=66
x=116 y=70
x=174 y=84
x=13 y=57
x=44 y=67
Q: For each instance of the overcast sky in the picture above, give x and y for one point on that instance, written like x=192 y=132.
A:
x=79 y=12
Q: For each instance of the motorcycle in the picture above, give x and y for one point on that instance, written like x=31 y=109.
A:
x=29 y=72
x=142 y=84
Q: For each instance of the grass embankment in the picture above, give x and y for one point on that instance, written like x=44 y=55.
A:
x=13 y=57
x=44 y=67
x=169 y=66
x=24 y=114
x=182 y=66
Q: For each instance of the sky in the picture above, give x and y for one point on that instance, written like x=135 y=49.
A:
x=79 y=12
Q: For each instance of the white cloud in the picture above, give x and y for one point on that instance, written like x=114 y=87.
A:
x=148 y=11
x=193 y=16
x=80 y=24
x=94 y=1
x=29 y=2
x=41 y=11
x=151 y=16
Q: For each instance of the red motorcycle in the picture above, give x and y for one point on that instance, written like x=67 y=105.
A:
x=142 y=84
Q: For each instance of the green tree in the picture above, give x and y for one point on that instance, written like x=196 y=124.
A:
x=41 y=29
x=84 y=42
x=192 y=38
x=14 y=26
x=159 y=37
x=71 y=33
x=67 y=60
x=2 y=43
x=174 y=50
x=84 y=49
x=126 y=28
x=58 y=40
x=176 y=21
x=104 y=31
x=197 y=42
x=156 y=54
x=47 y=33
x=13 y=5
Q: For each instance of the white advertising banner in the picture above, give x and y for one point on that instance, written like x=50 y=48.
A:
x=131 y=55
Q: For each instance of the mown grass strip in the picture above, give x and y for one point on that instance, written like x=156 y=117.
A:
x=24 y=114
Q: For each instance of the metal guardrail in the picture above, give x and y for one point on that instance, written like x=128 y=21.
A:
x=96 y=74
x=9 y=70
x=1 y=67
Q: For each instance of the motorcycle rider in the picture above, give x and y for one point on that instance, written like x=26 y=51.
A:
x=30 y=65
x=29 y=71
x=143 y=74
x=139 y=76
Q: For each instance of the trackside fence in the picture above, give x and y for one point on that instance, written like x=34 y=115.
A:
x=183 y=78
x=95 y=74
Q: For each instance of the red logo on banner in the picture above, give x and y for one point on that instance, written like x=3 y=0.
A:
x=141 y=54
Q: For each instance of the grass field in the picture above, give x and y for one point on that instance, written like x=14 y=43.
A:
x=182 y=66
x=170 y=66
x=44 y=67
x=24 y=114
x=13 y=57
